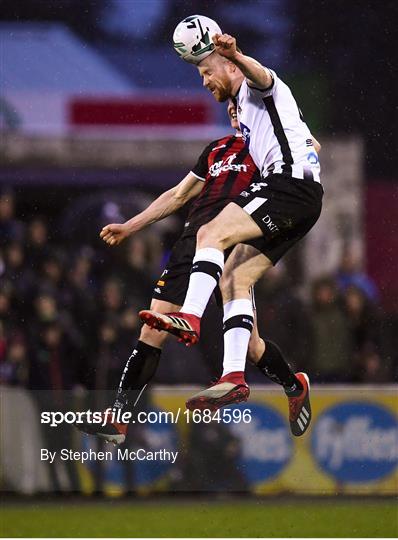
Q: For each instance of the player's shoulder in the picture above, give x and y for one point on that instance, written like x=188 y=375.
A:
x=249 y=88
x=223 y=142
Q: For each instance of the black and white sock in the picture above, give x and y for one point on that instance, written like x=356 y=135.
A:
x=273 y=365
x=238 y=325
x=207 y=267
x=138 y=371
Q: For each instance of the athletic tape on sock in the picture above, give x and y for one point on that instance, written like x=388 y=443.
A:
x=210 y=255
x=239 y=321
x=209 y=268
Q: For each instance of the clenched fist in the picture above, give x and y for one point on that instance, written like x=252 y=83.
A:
x=225 y=45
x=114 y=233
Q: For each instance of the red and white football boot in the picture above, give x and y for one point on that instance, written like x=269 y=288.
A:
x=231 y=388
x=300 y=408
x=183 y=325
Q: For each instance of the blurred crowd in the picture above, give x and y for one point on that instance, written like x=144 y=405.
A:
x=68 y=314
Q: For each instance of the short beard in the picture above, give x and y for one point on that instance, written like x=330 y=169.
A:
x=223 y=97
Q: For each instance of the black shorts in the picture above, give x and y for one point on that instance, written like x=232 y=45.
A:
x=173 y=283
x=284 y=208
x=290 y=211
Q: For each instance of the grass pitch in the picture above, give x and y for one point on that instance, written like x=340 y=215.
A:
x=206 y=518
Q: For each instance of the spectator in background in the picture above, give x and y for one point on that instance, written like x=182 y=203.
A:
x=389 y=343
x=79 y=294
x=79 y=298
x=331 y=343
x=13 y=352
x=52 y=272
x=8 y=315
x=13 y=360
x=18 y=273
x=11 y=229
x=141 y=262
x=37 y=242
x=46 y=310
x=371 y=368
x=350 y=273
x=362 y=317
x=111 y=299
x=53 y=360
x=3 y=342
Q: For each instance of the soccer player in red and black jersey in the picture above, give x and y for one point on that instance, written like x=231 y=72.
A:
x=224 y=169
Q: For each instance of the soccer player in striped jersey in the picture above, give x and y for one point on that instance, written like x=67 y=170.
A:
x=268 y=218
x=223 y=170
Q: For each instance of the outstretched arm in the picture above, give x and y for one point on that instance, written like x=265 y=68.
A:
x=166 y=204
x=256 y=74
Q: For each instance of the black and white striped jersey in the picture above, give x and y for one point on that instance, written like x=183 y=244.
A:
x=275 y=132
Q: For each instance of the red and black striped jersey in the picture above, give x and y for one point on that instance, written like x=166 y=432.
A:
x=226 y=168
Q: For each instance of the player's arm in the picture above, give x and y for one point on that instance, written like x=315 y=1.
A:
x=317 y=144
x=256 y=74
x=166 y=204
